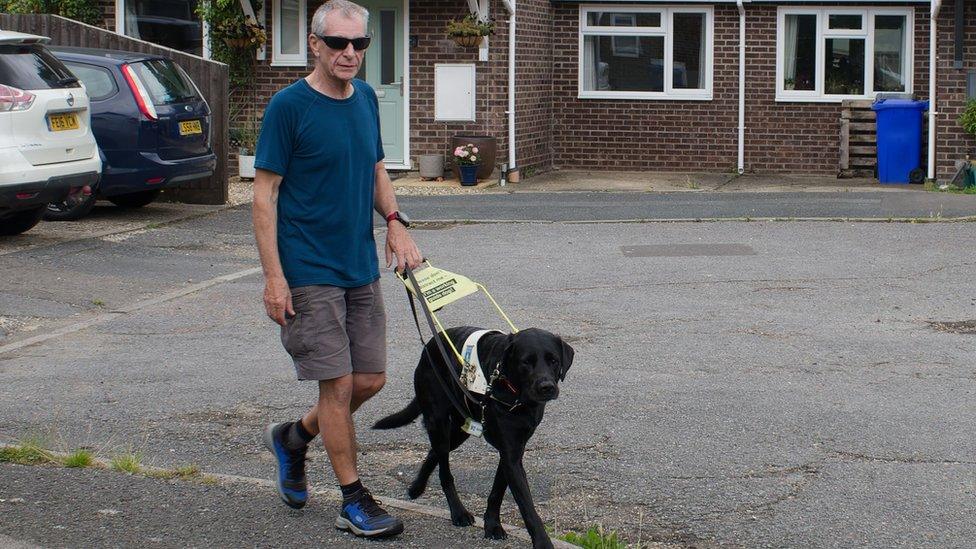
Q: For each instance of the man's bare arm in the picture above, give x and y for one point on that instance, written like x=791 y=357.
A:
x=399 y=243
x=277 y=296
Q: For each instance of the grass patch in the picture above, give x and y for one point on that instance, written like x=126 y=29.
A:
x=127 y=463
x=185 y=472
x=29 y=452
x=594 y=538
x=79 y=458
x=98 y=303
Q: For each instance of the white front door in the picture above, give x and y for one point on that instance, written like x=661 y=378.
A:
x=385 y=70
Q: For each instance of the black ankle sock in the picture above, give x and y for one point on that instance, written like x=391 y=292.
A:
x=295 y=435
x=350 y=490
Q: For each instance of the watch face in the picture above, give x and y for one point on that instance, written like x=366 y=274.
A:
x=403 y=217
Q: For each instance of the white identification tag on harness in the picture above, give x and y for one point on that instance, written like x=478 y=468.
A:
x=471 y=375
x=472 y=427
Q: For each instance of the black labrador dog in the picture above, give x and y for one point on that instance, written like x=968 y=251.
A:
x=529 y=364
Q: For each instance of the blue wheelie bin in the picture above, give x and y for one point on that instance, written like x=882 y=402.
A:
x=899 y=137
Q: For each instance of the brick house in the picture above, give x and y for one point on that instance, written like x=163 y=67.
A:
x=630 y=86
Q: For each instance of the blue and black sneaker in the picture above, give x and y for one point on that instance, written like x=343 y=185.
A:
x=363 y=516
x=290 y=480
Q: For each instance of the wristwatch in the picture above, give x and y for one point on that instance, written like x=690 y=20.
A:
x=399 y=216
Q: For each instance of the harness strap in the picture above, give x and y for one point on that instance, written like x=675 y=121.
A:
x=464 y=410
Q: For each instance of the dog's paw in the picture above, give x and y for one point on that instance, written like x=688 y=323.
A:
x=416 y=490
x=495 y=531
x=464 y=518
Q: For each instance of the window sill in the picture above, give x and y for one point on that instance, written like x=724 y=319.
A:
x=780 y=98
x=288 y=63
x=644 y=96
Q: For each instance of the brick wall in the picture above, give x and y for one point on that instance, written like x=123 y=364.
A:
x=556 y=129
x=702 y=135
x=951 y=142
x=108 y=14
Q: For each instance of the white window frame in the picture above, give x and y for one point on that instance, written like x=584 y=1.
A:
x=818 y=95
x=299 y=59
x=667 y=15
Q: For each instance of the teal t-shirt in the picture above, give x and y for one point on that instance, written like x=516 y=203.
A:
x=326 y=151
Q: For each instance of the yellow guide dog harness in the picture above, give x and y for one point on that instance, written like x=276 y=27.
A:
x=434 y=288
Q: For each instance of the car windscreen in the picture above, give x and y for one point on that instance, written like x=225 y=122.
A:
x=32 y=67
x=165 y=82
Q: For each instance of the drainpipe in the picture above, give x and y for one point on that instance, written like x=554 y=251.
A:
x=510 y=8
x=742 y=85
x=933 y=27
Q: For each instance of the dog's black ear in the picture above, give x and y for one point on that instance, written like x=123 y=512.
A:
x=566 y=360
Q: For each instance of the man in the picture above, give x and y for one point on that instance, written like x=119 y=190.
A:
x=319 y=175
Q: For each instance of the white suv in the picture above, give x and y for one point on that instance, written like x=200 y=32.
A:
x=47 y=149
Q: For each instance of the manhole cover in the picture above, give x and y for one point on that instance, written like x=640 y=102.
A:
x=957 y=327
x=686 y=250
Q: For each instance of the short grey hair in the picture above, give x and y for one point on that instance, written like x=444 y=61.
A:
x=345 y=7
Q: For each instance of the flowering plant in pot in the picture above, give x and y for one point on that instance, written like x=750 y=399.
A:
x=468 y=161
x=469 y=31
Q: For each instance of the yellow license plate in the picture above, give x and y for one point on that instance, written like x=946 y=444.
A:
x=190 y=127
x=62 y=122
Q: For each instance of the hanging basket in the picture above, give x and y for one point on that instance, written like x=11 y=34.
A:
x=468 y=41
x=237 y=42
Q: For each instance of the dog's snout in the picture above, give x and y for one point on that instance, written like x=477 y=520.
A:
x=548 y=390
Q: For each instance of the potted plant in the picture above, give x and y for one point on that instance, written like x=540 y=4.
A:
x=239 y=33
x=246 y=138
x=470 y=30
x=468 y=162
x=234 y=38
x=968 y=122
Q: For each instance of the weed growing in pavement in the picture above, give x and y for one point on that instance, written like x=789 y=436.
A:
x=127 y=463
x=184 y=472
x=594 y=538
x=28 y=452
x=98 y=302
x=79 y=458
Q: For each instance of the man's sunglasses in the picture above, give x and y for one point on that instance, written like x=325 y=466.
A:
x=340 y=42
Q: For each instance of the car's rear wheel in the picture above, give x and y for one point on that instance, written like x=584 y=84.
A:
x=20 y=221
x=75 y=206
x=134 y=200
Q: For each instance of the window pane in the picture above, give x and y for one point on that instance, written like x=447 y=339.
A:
x=623 y=63
x=889 y=53
x=289 y=41
x=844 y=72
x=845 y=21
x=98 y=81
x=32 y=67
x=173 y=23
x=623 y=19
x=388 y=46
x=800 y=52
x=689 y=50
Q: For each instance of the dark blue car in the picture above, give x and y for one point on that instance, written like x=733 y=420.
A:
x=151 y=123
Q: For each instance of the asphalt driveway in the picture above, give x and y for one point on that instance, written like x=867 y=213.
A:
x=766 y=384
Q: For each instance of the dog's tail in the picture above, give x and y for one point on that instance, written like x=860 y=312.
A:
x=400 y=418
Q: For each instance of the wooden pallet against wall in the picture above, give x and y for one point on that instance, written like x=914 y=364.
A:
x=858 y=139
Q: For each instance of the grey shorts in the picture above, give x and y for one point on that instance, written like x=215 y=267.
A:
x=336 y=331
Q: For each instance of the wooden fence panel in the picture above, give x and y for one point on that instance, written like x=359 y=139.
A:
x=210 y=76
